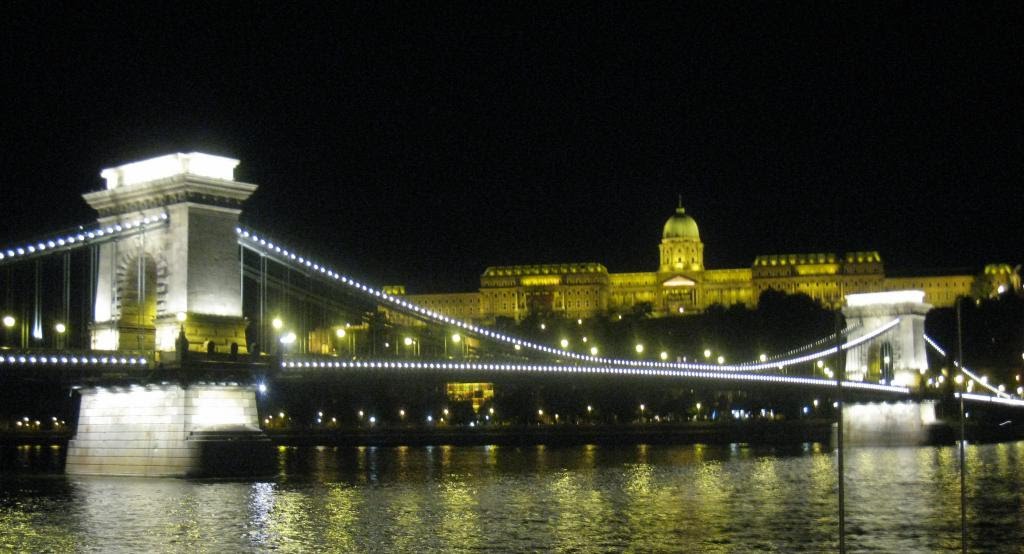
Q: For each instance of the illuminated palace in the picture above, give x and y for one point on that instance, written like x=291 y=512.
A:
x=682 y=285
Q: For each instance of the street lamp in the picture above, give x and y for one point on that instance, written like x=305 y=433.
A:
x=60 y=328
x=457 y=341
x=663 y=355
x=8 y=322
x=276 y=324
x=639 y=348
x=180 y=317
x=412 y=345
x=593 y=351
x=564 y=343
x=287 y=340
x=346 y=342
x=707 y=352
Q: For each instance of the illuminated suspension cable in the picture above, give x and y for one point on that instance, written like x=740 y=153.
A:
x=63 y=358
x=1016 y=403
x=824 y=340
x=963 y=369
x=81 y=238
x=299 y=364
x=263 y=245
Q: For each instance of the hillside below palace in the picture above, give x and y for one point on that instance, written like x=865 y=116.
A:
x=682 y=285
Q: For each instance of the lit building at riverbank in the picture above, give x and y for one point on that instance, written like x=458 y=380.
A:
x=683 y=285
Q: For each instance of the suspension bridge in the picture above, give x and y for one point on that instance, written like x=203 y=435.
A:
x=167 y=316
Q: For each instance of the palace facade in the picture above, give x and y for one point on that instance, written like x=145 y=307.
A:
x=682 y=285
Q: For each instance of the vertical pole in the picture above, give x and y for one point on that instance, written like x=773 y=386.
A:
x=963 y=429
x=66 y=298
x=115 y=287
x=840 y=459
x=141 y=288
x=22 y=317
x=6 y=288
x=263 y=303
x=90 y=302
x=241 y=279
x=37 y=309
x=24 y=326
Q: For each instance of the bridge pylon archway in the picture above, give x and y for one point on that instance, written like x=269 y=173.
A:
x=187 y=269
x=136 y=300
x=899 y=356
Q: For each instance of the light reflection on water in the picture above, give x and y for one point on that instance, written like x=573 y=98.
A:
x=581 y=499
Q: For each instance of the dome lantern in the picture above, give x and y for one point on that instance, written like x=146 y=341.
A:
x=680 y=226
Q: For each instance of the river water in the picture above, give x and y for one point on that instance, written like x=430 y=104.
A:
x=690 y=498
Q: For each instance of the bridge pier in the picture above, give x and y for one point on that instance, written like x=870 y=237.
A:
x=910 y=423
x=169 y=430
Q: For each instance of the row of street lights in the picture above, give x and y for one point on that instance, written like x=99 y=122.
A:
x=28 y=424
x=640 y=348
x=412 y=344
x=280 y=419
x=60 y=329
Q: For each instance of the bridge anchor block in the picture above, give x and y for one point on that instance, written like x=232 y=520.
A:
x=169 y=431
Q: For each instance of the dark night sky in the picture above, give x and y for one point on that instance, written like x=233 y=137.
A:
x=420 y=146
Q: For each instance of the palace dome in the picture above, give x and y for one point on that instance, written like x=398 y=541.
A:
x=680 y=226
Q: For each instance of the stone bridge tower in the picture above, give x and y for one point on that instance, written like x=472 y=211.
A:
x=183 y=274
x=898 y=356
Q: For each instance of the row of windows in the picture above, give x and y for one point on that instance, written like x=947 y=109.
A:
x=431 y=303
x=587 y=298
x=566 y=291
x=581 y=304
x=938 y=284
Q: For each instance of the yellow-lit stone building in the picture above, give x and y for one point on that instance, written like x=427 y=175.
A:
x=682 y=285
